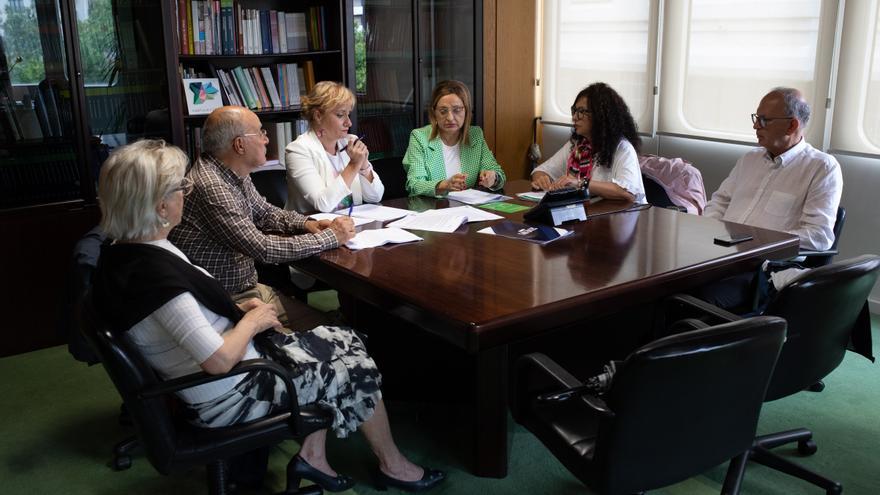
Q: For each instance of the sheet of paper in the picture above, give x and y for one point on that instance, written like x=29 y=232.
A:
x=379 y=237
x=472 y=214
x=505 y=207
x=375 y=212
x=475 y=197
x=330 y=216
x=432 y=220
x=532 y=195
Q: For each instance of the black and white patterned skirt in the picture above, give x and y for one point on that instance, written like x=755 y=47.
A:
x=332 y=368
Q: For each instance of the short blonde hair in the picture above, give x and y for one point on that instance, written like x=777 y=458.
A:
x=324 y=97
x=133 y=181
x=457 y=88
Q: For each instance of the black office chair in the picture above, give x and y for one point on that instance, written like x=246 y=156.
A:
x=816 y=259
x=393 y=176
x=171 y=444
x=656 y=195
x=272 y=184
x=826 y=310
x=675 y=408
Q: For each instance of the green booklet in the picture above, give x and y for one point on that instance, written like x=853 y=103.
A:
x=504 y=207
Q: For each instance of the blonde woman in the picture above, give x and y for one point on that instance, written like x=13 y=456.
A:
x=449 y=154
x=327 y=168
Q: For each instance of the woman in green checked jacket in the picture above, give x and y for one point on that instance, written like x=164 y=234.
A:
x=449 y=154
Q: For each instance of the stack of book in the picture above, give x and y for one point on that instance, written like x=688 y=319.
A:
x=272 y=87
x=224 y=27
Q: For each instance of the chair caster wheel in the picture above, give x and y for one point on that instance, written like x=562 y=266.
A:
x=120 y=463
x=837 y=489
x=807 y=447
x=817 y=387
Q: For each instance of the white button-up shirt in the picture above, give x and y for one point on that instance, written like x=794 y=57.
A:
x=796 y=192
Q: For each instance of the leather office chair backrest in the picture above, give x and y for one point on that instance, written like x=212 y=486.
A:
x=272 y=184
x=393 y=176
x=130 y=373
x=655 y=193
x=821 y=307
x=686 y=403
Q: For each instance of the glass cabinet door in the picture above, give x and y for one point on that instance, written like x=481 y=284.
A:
x=50 y=147
x=447 y=48
x=126 y=89
x=38 y=162
x=394 y=79
x=384 y=71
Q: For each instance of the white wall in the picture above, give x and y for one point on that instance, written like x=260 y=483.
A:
x=861 y=184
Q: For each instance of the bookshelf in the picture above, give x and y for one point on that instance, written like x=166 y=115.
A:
x=265 y=55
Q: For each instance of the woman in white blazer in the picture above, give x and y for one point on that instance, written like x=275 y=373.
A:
x=327 y=168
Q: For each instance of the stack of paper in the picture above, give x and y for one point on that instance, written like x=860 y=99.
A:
x=475 y=197
x=532 y=195
x=375 y=212
x=378 y=237
x=444 y=219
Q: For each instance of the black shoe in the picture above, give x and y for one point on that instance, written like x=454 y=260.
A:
x=430 y=479
x=298 y=468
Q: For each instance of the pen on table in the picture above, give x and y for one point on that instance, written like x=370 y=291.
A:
x=350 y=207
x=359 y=138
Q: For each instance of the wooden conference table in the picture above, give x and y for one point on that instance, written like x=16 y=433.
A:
x=483 y=292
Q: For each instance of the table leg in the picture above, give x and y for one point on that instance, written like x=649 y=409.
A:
x=492 y=437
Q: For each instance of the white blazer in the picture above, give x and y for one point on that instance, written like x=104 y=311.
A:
x=314 y=185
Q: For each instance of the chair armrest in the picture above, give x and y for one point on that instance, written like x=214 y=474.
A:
x=247 y=366
x=687 y=325
x=537 y=371
x=808 y=252
x=691 y=307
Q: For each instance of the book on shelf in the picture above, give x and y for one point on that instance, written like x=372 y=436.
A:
x=270 y=86
x=225 y=27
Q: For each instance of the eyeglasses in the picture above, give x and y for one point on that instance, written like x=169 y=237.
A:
x=762 y=121
x=580 y=113
x=262 y=132
x=186 y=185
x=444 y=111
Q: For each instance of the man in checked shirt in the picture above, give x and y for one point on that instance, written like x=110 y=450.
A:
x=227 y=225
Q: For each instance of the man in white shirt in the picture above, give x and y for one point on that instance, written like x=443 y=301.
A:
x=784 y=185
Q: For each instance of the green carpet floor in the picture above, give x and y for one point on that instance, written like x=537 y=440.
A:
x=59 y=422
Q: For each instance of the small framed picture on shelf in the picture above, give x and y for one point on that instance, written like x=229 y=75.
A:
x=202 y=95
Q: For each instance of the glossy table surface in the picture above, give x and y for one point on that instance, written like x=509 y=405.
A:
x=479 y=290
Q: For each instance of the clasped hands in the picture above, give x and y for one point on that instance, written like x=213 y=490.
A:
x=458 y=182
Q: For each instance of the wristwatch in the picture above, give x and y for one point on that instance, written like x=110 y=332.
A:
x=585 y=183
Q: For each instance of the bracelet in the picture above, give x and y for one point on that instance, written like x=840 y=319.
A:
x=366 y=173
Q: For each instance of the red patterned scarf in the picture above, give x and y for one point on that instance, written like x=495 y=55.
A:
x=580 y=160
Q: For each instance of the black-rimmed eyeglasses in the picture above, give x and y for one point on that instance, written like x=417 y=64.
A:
x=762 y=121
x=580 y=113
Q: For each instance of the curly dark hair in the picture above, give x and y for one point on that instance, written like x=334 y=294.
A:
x=611 y=121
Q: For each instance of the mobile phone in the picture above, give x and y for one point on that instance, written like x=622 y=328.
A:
x=730 y=240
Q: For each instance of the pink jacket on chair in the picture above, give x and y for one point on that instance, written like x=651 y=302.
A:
x=681 y=180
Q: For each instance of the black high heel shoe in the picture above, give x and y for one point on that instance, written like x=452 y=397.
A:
x=298 y=468
x=430 y=479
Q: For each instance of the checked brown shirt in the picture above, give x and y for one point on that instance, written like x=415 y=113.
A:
x=227 y=225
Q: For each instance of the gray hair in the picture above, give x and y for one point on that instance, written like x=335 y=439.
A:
x=221 y=128
x=133 y=181
x=795 y=104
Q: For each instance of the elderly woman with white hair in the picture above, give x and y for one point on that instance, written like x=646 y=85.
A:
x=327 y=168
x=183 y=321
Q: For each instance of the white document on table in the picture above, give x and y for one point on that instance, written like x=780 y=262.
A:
x=375 y=212
x=441 y=220
x=473 y=214
x=358 y=221
x=379 y=237
x=475 y=197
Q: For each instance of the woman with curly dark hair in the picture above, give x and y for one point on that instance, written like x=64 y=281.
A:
x=602 y=152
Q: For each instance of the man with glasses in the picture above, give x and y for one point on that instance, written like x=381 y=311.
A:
x=785 y=185
x=227 y=225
